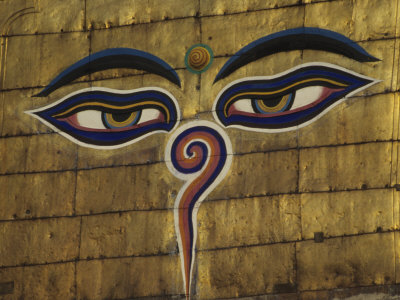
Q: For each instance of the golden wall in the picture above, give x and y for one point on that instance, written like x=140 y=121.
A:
x=310 y=211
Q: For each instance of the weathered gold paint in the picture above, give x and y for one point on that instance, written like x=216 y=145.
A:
x=34 y=60
x=121 y=277
x=97 y=190
x=240 y=183
x=338 y=168
x=136 y=154
x=358 y=20
x=346 y=262
x=23 y=195
x=38 y=153
x=342 y=125
x=126 y=234
x=105 y=14
x=40 y=282
x=210 y=7
x=249 y=221
x=334 y=213
x=105 y=227
x=44 y=16
x=239 y=271
x=39 y=241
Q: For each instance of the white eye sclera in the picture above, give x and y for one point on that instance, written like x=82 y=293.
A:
x=302 y=97
x=96 y=119
x=307 y=96
x=90 y=119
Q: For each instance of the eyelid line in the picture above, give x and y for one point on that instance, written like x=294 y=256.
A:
x=115 y=107
x=281 y=90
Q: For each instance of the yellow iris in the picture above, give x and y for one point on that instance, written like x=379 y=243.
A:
x=121 y=120
x=261 y=105
x=249 y=94
x=130 y=106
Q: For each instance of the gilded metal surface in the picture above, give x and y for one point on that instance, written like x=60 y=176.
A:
x=79 y=223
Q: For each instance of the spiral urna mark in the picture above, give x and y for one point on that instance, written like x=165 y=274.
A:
x=198 y=153
x=199 y=57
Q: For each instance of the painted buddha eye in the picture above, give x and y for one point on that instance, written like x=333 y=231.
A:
x=286 y=101
x=101 y=120
x=107 y=119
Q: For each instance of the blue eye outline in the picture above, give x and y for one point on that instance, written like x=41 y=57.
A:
x=289 y=121
x=54 y=115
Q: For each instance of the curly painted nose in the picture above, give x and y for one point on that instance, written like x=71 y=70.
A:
x=200 y=154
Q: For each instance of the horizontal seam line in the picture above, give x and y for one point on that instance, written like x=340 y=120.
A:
x=194 y=16
x=86 y=81
x=101 y=258
x=141 y=74
x=88 y=259
x=359 y=41
x=233 y=154
x=194 y=117
x=308 y=290
x=297 y=241
x=173 y=208
x=87 y=30
x=350 y=288
x=154 y=296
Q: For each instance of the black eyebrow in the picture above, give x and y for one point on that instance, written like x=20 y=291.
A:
x=111 y=59
x=295 y=39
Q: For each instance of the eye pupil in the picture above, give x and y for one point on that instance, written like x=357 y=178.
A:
x=120 y=119
x=273 y=104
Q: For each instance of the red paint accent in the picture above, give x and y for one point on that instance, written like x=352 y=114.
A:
x=326 y=92
x=73 y=121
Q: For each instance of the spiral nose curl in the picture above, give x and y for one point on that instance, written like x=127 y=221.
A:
x=200 y=154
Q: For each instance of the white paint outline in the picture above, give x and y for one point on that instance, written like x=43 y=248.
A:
x=315 y=118
x=188 y=178
x=103 y=89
